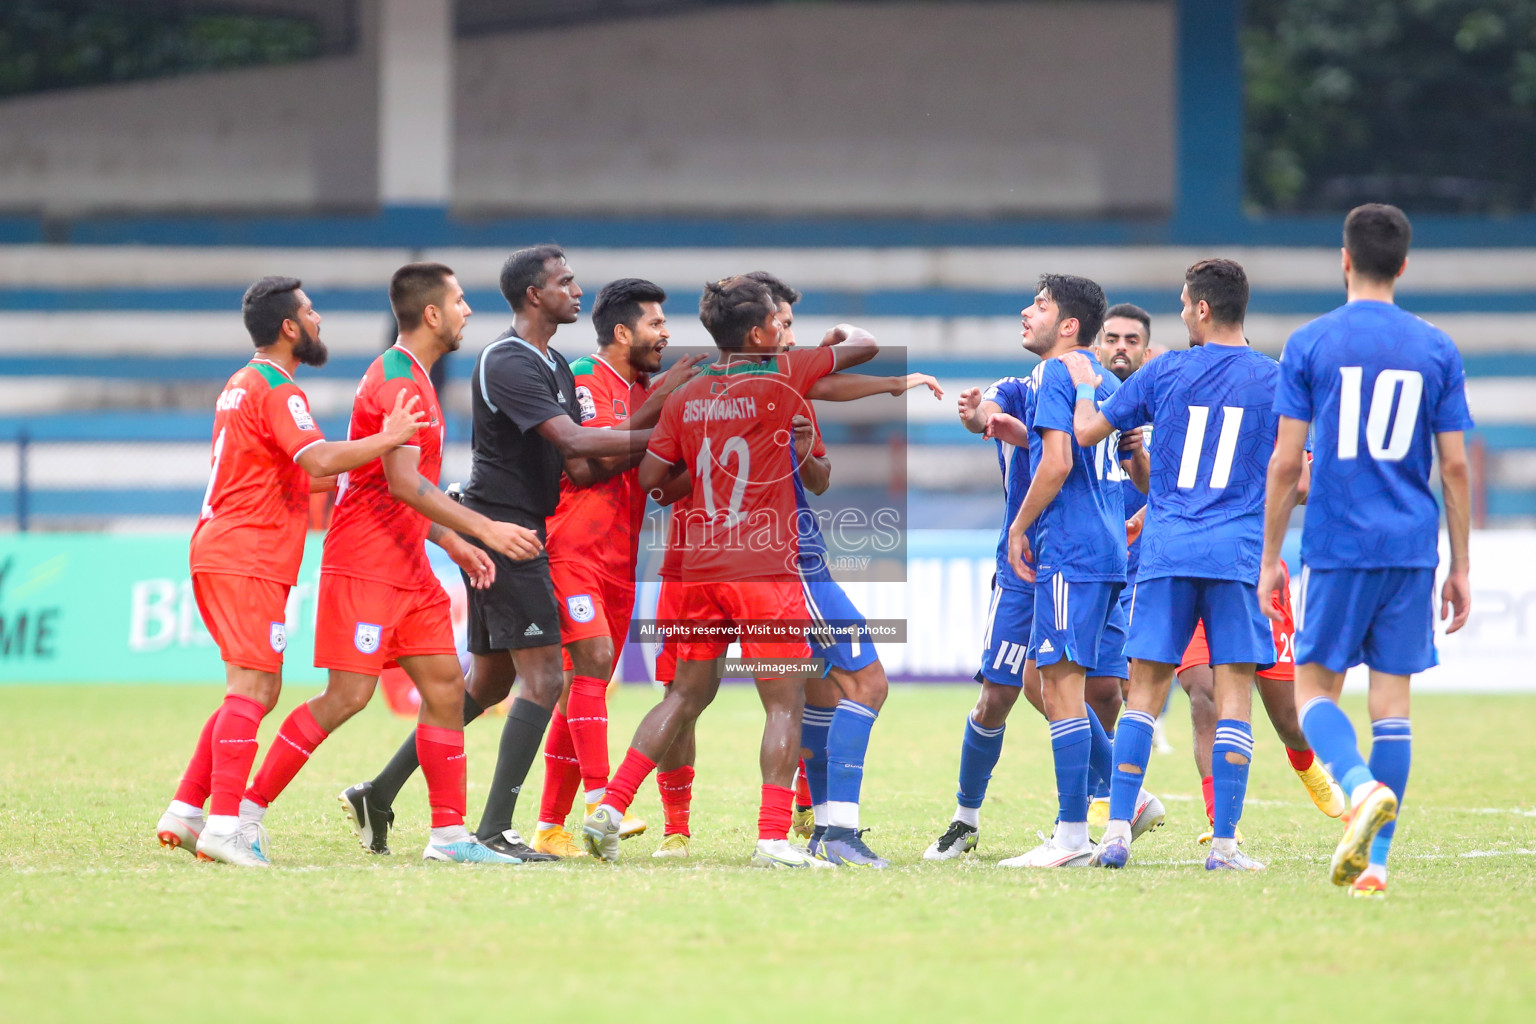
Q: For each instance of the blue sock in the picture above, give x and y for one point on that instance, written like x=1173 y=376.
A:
x=979 y=751
x=1229 y=780
x=1071 y=740
x=1332 y=738
x=1391 y=757
x=1133 y=745
x=847 y=740
x=814 y=725
x=1101 y=757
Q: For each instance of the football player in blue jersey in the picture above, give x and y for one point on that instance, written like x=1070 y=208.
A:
x=1211 y=412
x=1068 y=541
x=1384 y=393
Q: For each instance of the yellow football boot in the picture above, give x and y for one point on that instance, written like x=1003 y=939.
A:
x=803 y=822
x=1210 y=833
x=1361 y=824
x=557 y=841
x=1369 y=885
x=1098 y=812
x=675 y=845
x=1325 y=793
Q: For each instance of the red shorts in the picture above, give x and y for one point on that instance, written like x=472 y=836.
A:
x=364 y=626
x=1199 y=652
x=669 y=604
x=245 y=616
x=735 y=604
x=592 y=603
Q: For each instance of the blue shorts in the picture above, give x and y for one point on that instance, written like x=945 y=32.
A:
x=1010 y=618
x=1071 y=621
x=851 y=647
x=1164 y=612
x=1112 y=657
x=1384 y=618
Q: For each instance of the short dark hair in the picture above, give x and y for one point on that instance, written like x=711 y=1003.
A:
x=1377 y=237
x=265 y=306
x=732 y=306
x=1078 y=298
x=1131 y=311
x=413 y=288
x=1222 y=285
x=780 y=291
x=524 y=269
x=619 y=303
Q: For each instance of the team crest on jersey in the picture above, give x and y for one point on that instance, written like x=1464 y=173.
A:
x=366 y=639
x=300 y=413
x=277 y=636
x=586 y=406
x=620 y=409
x=581 y=608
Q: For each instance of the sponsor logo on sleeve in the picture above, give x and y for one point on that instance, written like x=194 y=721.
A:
x=366 y=639
x=300 y=413
x=581 y=608
x=586 y=406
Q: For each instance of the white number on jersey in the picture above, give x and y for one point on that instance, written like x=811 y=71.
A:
x=1106 y=459
x=1194 y=443
x=704 y=466
x=213 y=475
x=1388 y=442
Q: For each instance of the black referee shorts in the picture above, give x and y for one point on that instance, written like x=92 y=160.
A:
x=517 y=611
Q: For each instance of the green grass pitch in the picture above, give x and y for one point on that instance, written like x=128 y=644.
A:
x=98 y=923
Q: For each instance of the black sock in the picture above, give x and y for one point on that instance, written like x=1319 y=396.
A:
x=388 y=783
x=521 y=739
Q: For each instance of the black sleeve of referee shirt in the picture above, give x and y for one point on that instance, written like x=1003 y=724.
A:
x=520 y=389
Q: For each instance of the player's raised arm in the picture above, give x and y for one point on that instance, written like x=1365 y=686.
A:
x=1285 y=467
x=407 y=485
x=1455 y=488
x=855 y=346
x=576 y=442
x=850 y=387
x=328 y=458
x=1089 y=425
x=976 y=411
x=678 y=374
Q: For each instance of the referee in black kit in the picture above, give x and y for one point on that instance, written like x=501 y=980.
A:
x=526 y=425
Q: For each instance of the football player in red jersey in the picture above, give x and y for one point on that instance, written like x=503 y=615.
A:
x=731 y=428
x=268 y=454
x=379 y=601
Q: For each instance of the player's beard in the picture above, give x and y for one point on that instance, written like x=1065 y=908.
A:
x=451 y=339
x=1041 y=341
x=310 y=350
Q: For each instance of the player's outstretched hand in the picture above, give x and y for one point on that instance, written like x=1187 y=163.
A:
x=918 y=380
x=404 y=419
x=681 y=372
x=1456 y=600
x=1081 y=369
x=1019 y=553
x=1003 y=427
x=516 y=542
x=846 y=332
x=970 y=401
x=805 y=436
x=1131 y=442
x=477 y=565
x=1270 y=582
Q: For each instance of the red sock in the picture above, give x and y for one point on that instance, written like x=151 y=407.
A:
x=586 y=712
x=676 y=788
x=562 y=772
x=622 y=787
x=441 y=753
x=296 y=739
x=774 y=812
x=802 y=787
x=234 y=751
x=1208 y=787
x=1301 y=760
x=197 y=780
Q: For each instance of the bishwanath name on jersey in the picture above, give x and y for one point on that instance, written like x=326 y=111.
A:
x=719 y=407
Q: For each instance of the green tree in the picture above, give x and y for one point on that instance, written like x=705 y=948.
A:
x=1430 y=104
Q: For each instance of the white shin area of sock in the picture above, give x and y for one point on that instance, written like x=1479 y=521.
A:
x=223 y=824
x=842 y=814
x=450 y=834
x=185 y=810
x=1071 y=835
x=969 y=815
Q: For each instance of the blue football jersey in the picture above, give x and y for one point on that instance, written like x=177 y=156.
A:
x=1016 y=397
x=1376 y=383
x=1081 y=533
x=1134 y=501
x=1212 y=410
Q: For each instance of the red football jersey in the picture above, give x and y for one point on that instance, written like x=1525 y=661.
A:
x=600 y=524
x=732 y=425
x=373 y=536
x=257 y=503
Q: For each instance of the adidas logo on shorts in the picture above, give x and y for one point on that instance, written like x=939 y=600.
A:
x=533 y=630
x=1045 y=647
